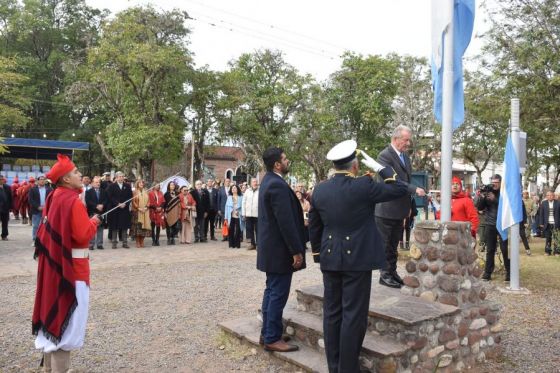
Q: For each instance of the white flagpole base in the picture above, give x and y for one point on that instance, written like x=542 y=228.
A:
x=508 y=290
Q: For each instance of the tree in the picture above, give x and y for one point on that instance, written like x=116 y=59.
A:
x=203 y=112
x=482 y=137
x=134 y=87
x=523 y=50
x=262 y=93
x=362 y=93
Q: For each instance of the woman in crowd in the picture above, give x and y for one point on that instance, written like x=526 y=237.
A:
x=157 y=206
x=462 y=207
x=172 y=211
x=140 y=227
x=188 y=208
x=233 y=216
x=305 y=206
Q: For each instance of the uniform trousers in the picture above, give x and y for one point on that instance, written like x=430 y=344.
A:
x=345 y=318
x=391 y=231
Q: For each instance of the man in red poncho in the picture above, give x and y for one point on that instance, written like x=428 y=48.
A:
x=462 y=206
x=62 y=297
x=23 y=194
x=15 y=198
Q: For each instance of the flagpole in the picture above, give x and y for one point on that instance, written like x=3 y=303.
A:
x=514 y=230
x=447 y=117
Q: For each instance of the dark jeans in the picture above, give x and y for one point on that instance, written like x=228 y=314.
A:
x=171 y=231
x=345 y=320
x=234 y=235
x=523 y=235
x=156 y=230
x=391 y=231
x=5 y=217
x=549 y=239
x=209 y=223
x=274 y=300
x=199 y=227
x=492 y=238
x=251 y=227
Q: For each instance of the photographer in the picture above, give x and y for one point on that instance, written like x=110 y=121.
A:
x=488 y=204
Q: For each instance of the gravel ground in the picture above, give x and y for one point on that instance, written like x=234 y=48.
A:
x=163 y=317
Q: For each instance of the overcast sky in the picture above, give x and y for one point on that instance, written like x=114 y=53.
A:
x=311 y=33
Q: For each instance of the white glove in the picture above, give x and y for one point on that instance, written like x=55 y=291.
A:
x=370 y=162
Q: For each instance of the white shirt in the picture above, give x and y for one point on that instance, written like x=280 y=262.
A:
x=550 y=212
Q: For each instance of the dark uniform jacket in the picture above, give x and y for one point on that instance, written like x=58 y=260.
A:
x=342 y=224
x=396 y=209
x=34 y=198
x=119 y=218
x=92 y=201
x=280 y=226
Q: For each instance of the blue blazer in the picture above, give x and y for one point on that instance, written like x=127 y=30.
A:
x=280 y=226
x=229 y=210
x=342 y=224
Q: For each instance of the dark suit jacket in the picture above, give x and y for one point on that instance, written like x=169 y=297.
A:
x=222 y=199
x=280 y=226
x=119 y=218
x=5 y=199
x=202 y=202
x=544 y=211
x=92 y=201
x=34 y=198
x=397 y=209
x=213 y=199
x=342 y=224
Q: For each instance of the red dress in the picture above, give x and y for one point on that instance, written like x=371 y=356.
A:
x=155 y=201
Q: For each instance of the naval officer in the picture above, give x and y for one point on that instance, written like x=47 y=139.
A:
x=345 y=240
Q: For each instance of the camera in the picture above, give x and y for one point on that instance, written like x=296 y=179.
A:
x=486 y=188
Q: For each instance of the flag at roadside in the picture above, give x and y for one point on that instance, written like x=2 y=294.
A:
x=510 y=210
x=463 y=22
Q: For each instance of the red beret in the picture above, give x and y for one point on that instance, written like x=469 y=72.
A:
x=60 y=168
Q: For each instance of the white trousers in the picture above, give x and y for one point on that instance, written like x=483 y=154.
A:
x=73 y=337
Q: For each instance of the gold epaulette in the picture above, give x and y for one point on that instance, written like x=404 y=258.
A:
x=346 y=173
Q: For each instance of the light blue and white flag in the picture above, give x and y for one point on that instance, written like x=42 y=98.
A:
x=463 y=22
x=510 y=208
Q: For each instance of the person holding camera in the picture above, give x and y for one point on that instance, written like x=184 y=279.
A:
x=488 y=204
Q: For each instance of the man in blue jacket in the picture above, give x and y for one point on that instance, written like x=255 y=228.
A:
x=345 y=240
x=281 y=246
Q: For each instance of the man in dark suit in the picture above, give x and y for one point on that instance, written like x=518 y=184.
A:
x=212 y=210
x=37 y=198
x=549 y=221
x=96 y=201
x=281 y=244
x=119 y=195
x=223 y=193
x=5 y=206
x=202 y=205
x=390 y=215
x=345 y=240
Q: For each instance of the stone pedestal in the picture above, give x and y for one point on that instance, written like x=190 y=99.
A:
x=443 y=268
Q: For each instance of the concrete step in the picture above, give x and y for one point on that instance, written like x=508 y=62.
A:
x=386 y=304
x=248 y=329
x=308 y=328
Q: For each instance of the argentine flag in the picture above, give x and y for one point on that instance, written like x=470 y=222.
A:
x=463 y=23
x=510 y=209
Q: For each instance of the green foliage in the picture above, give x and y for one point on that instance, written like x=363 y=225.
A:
x=12 y=103
x=362 y=93
x=262 y=94
x=133 y=86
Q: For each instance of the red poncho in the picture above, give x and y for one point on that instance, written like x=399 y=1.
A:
x=155 y=200
x=55 y=298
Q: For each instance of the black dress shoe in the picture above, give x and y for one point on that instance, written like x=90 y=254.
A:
x=125 y=246
x=390 y=282
x=486 y=277
x=398 y=278
x=91 y=247
x=100 y=248
x=213 y=239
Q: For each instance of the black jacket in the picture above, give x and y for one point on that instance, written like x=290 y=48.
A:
x=34 y=198
x=119 y=218
x=202 y=202
x=342 y=222
x=222 y=199
x=5 y=199
x=396 y=209
x=544 y=211
x=489 y=208
x=280 y=226
x=92 y=201
x=213 y=199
